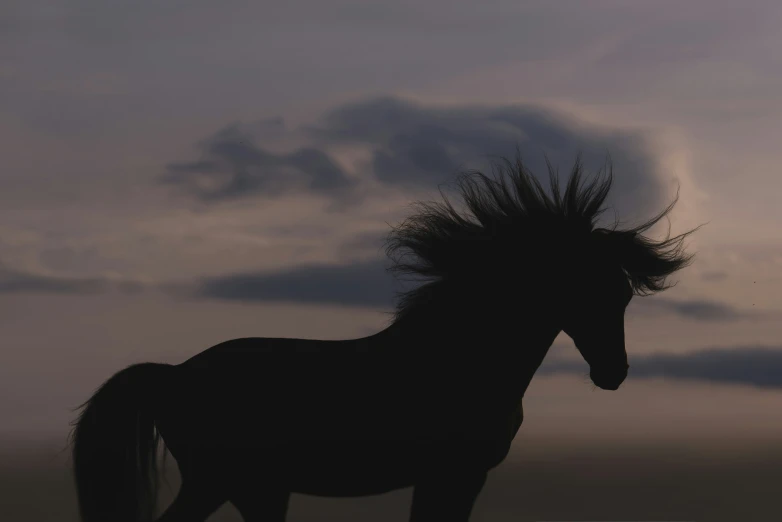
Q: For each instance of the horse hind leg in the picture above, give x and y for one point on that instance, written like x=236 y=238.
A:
x=193 y=503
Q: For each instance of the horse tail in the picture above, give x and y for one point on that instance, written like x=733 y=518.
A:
x=115 y=448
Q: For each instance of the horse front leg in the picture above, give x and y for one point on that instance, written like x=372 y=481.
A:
x=446 y=497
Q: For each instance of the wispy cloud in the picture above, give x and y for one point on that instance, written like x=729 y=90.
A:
x=714 y=275
x=366 y=283
x=357 y=284
x=753 y=365
x=415 y=145
x=696 y=309
x=232 y=166
x=20 y=282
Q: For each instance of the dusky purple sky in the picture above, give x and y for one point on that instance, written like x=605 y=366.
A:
x=177 y=175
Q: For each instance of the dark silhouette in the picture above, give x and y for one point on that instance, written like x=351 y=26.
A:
x=433 y=401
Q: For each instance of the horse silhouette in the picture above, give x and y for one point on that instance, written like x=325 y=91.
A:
x=433 y=401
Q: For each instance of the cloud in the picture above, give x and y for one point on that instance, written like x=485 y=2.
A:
x=414 y=145
x=714 y=275
x=366 y=283
x=232 y=166
x=695 y=309
x=18 y=282
x=753 y=365
x=358 y=284
x=360 y=279
x=367 y=243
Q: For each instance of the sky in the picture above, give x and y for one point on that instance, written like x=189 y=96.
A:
x=177 y=175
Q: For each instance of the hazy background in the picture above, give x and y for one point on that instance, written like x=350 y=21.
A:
x=174 y=175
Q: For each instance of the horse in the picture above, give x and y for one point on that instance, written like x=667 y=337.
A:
x=432 y=402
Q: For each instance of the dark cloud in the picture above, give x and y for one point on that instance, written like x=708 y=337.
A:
x=414 y=146
x=695 y=309
x=358 y=284
x=417 y=145
x=232 y=166
x=759 y=366
x=18 y=282
x=366 y=283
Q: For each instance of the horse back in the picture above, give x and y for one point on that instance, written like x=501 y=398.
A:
x=282 y=388
x=279 y=390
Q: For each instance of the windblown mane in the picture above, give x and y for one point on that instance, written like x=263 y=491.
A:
x=511 y=218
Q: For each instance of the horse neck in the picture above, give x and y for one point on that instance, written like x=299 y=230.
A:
x=497 y=351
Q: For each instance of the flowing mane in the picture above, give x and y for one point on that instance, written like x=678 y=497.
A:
x=510 y=220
